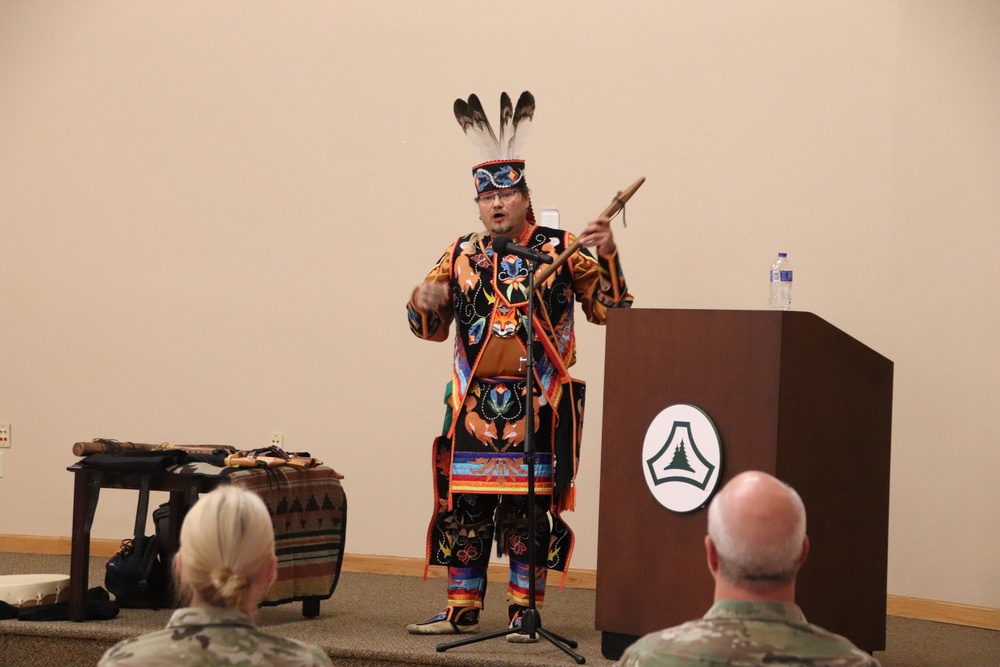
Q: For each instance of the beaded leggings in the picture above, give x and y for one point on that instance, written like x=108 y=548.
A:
x=476 y=518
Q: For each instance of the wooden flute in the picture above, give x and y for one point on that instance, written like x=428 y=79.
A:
x=616 y=205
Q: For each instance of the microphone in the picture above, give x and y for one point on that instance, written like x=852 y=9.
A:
x=504 y=246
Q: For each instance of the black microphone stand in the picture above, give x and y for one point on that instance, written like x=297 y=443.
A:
x=531 y=620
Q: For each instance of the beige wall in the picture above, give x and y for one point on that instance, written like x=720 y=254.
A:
x=213 y=212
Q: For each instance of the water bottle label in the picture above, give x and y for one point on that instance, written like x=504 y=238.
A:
x=781 y=276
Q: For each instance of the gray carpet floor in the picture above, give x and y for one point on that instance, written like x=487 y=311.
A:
x=363 y=625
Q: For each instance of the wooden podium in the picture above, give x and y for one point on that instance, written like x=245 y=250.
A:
x=790 y=395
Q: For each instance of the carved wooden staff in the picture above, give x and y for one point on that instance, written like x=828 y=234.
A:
x=235 y=458
x=617 y=204
x=116 y=447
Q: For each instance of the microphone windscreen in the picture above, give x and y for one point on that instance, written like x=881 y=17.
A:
x=500 y=244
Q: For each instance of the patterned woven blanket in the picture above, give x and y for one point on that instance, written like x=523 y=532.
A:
x=309 y=510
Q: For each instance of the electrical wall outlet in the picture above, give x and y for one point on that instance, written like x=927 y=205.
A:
x=276 y=439
x=4 y=435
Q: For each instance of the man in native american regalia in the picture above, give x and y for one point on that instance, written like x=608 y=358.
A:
x=479 y=462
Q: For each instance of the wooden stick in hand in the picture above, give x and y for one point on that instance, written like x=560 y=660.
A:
x=616 y=205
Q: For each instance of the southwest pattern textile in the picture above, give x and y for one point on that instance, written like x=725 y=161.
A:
x=308 y=509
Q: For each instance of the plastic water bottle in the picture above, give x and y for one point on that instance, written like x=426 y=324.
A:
x=781 y=283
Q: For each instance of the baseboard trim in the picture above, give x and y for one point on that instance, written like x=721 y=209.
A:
x=414 y=567
x=943 y=612
x=896 y=605
x=41 y=544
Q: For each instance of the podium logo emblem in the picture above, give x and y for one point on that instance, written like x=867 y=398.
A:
x=682 y=458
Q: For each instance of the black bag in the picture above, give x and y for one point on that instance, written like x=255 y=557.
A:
x=161 y=522
x=139 y=574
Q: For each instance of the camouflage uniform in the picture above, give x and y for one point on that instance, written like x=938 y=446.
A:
x=746 y=634
x=213 y=638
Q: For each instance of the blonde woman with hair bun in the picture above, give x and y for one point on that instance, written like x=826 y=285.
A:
x=223 y=569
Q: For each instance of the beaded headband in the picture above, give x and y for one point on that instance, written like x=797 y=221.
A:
x=498 y=175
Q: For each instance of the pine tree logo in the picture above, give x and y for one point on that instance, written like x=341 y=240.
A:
x=694 y=469
x=680 y=460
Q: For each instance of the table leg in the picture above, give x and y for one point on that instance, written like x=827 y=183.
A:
x=310 y=607
x=85 y=497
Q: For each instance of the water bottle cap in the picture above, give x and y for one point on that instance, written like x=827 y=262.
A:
x=782 y=254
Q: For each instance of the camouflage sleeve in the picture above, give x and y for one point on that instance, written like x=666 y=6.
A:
x=704 y=644
x=650 y=652
x=214 y=649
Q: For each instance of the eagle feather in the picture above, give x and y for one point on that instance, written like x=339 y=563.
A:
x=514 y=124
x=472 y=118
x=523 y=113
x=506 y=129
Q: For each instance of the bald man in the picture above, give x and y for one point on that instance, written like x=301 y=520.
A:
x=756 y=544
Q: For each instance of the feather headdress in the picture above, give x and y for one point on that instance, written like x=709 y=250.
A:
x=503 y=166
x=514 y=124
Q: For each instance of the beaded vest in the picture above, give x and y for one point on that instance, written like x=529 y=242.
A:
x=491 y=299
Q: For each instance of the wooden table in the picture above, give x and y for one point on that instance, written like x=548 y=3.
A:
x=184 y=490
